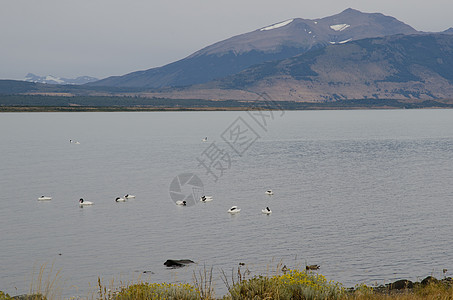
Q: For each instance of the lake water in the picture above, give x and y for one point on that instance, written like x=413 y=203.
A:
x=367 y=195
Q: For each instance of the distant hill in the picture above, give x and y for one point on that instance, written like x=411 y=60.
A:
x=50 y=79
x=415 y=67
x=274 y=42
x=396 y=67
x=16 y=87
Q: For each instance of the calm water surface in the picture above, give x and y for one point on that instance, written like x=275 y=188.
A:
x=365 y=194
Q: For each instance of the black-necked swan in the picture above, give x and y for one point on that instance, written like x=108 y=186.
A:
x=234 y=209
x=269 y=192
x=44 y=198
x=205 y=198
x=118 y=199
x=127 y=196
x=83 y=202
x=179 y=202
x=266 y=211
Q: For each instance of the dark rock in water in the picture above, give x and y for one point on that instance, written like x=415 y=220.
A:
x=178 y=262
x=429 y=280
x=401 y=285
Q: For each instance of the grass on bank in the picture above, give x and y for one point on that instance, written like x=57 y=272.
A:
x=42 y=287
x=293 y=284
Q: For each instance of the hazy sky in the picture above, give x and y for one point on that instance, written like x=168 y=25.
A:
x=100 y=38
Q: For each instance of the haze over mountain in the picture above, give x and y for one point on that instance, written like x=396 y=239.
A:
x=274 y=42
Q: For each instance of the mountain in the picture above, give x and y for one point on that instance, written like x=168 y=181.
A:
x=49 y=79
x=449 y=30
x=11 y=87
x=394 y=67
x=274 y=42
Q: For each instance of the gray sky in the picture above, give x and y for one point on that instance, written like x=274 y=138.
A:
x=100 y=38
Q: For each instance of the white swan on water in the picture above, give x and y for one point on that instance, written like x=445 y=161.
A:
x=234 y=210
x=266 y=211
x=205 y=198
x=84 y=203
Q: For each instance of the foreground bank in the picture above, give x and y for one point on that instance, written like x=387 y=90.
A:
x=290 y=284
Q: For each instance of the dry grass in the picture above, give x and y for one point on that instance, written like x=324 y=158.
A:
x=203 y=283
x=281 y=285
x=429 y=292
x=48 y=286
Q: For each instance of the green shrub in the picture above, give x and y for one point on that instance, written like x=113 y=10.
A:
x=292 y=285
x=4 y=296
x=157 y=291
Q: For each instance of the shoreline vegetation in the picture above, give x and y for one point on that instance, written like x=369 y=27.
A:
x=41 y=103
x=285 y=284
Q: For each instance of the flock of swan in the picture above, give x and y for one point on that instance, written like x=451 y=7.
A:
x=202 y=199
x=234 y=209
x=125 y=198
x=118 y=199
x=85 y=203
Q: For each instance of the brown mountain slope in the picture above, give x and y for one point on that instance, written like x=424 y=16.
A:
x=396 y=67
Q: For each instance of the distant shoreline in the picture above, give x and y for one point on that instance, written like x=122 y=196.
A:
x=113 y=109
x=40 y=103
x=6 y=109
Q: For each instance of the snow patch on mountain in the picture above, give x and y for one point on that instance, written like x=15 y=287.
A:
x=53 y=79
x=345 y=41
x=278 y=25
x=50 y=79
x=339 y=27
